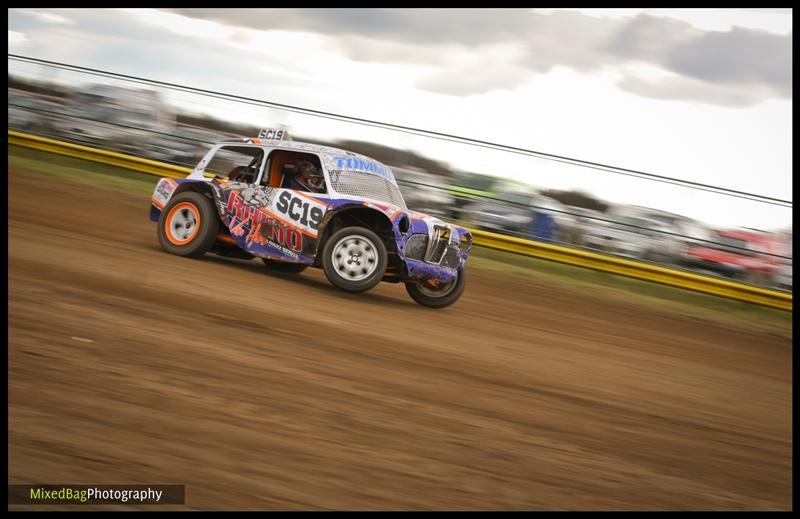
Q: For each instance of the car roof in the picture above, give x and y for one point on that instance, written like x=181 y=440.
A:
x=292 y=145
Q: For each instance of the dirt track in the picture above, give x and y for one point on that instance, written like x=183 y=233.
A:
x=279 y=392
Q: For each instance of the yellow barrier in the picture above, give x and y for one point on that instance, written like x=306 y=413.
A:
x=151 y=167
x=635 y=269
x=569 y=255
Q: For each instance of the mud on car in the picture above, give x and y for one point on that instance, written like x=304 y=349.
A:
x=243 y=200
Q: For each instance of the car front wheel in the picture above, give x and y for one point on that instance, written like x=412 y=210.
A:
x=439 y=296
x=354 y=259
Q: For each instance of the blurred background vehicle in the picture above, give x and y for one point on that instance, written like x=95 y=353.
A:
x=467 y=187
x=31 y=113
x=524 y=214
x=689 y=233
x=119 y=118
x=22 y=112
x=678 y=232
x=183 y=146
x=40 y=115
x=783 y=277
x=632 y=236
x=424 y=192
x=740 y=254
x=583 y=218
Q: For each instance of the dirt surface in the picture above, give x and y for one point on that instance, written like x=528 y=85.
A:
x=260 y=391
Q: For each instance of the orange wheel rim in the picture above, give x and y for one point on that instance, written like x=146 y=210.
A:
x=182 y=223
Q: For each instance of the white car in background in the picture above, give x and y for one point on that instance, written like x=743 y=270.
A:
x=634 y=237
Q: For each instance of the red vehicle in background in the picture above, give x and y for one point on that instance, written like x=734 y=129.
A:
x=740 y=254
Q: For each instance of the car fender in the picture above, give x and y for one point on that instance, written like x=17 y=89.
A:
x=340 y=207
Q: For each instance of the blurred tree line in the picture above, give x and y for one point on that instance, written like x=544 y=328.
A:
x=38 y=88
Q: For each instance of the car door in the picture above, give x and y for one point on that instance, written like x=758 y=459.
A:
x=276 y=222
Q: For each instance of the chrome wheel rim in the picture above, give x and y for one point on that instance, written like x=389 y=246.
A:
x=354 y=258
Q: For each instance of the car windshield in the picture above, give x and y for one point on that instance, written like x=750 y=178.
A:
x=366 y=185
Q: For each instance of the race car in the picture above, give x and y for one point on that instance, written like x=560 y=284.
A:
x=296 y=205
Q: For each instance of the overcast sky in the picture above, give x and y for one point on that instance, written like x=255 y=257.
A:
x=699 y=94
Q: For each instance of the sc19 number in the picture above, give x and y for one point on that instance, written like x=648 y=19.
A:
x=276 y=135
x=299 y=210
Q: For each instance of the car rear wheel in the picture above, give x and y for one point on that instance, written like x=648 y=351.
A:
x=282 y=266
x=440 y=295
x=188 y=225
x=354 y=259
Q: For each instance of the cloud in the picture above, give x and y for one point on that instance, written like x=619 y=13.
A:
x=485 y=78
x=740 y=57
x=409 y=26
x=743 y=58
x=449 y=40
x=679 y=88
x=44 y=16
x=649 y=38
x=230 y=62
x=16 y=39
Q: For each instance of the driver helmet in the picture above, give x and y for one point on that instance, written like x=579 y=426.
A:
x=309 y=176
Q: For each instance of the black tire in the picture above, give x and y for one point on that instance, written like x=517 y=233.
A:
x=449 y=293
x=368 y=263
x=282 y=266
x=196 y=239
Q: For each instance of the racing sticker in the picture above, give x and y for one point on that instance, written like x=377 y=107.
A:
x=356 y=163
x=219 y=195
x=258 y=196
x=271 y=134
x=276 y=218
x=303 y=211
x=262 y=230
x=163 y=192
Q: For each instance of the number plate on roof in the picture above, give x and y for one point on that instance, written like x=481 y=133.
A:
x=271 y=134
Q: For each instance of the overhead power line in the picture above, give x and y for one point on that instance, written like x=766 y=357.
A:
x=415 y=131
